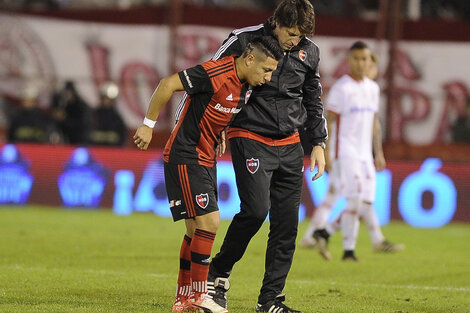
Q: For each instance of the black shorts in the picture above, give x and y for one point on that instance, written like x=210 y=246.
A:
x=191 y=189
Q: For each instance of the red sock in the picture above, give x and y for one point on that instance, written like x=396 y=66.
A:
x=201 y=247
x=184 y=275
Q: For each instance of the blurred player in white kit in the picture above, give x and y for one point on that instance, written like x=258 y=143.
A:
x=354 y=145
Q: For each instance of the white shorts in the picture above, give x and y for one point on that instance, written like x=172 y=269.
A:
x=353 y=178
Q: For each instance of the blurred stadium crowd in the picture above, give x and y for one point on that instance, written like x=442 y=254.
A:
x=66 y=118
x=444 y=9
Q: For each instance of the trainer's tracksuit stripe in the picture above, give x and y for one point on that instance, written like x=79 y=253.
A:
x=234 y=38
x=180 y=107
x=224 y=47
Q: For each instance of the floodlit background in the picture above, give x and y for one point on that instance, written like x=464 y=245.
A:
x=123 y=48
x=116 y=51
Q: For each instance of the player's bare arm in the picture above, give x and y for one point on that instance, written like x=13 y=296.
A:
x=160 y=97
x=379 y=157
x=331 y=118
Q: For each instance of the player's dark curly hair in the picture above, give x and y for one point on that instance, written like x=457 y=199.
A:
x=358 y=45
x=267 y=45
x=291 y=13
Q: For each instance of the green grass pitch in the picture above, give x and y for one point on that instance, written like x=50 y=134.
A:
x=56 y=260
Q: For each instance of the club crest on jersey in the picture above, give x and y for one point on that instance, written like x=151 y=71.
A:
x=302 y=55
x=247 y=96
x=252 y=165
x=202 y=200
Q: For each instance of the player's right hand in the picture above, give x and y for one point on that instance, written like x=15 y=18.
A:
x=143 y=136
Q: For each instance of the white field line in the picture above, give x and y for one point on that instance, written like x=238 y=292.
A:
x=93 y=271
x=303 y=282
x=441 y=288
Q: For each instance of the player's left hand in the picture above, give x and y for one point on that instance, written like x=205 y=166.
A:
x=317 y=157
x=142 y=137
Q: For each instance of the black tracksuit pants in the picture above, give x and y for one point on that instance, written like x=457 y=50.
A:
x=269 y=178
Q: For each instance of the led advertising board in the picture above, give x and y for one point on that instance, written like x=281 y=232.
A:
x=423 y=194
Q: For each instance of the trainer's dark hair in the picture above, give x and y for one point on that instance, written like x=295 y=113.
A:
x=267 y=45
x=291 y=13
x=359 y=45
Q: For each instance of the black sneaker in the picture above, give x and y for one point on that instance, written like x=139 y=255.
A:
x=321 y=236
x=275 y=305
x=349 y=256
x=217 y=288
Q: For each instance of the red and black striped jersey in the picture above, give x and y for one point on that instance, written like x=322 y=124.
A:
x=215 y=96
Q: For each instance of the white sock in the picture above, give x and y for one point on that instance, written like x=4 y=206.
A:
x=349 y=221
x=321 y=214
x=320 y=218
x=368 y=215
x=333 y=226
x=309 y=232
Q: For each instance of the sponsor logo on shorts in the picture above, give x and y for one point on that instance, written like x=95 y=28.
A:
x=252 y=165
x=174 y=203
x=202 y=200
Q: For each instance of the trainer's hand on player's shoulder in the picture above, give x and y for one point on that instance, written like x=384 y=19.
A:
x=317 y=157
x=142 y=137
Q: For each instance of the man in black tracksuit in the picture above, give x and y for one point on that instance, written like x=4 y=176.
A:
x=266 y=151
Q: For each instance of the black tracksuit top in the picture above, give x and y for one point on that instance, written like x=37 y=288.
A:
x=291 y=99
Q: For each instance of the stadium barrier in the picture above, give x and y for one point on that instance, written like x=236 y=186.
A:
x=423 y=194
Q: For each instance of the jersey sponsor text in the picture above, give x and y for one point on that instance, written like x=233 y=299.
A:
x=221 y=108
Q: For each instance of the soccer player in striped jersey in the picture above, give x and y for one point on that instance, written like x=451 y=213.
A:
x=217 y=91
